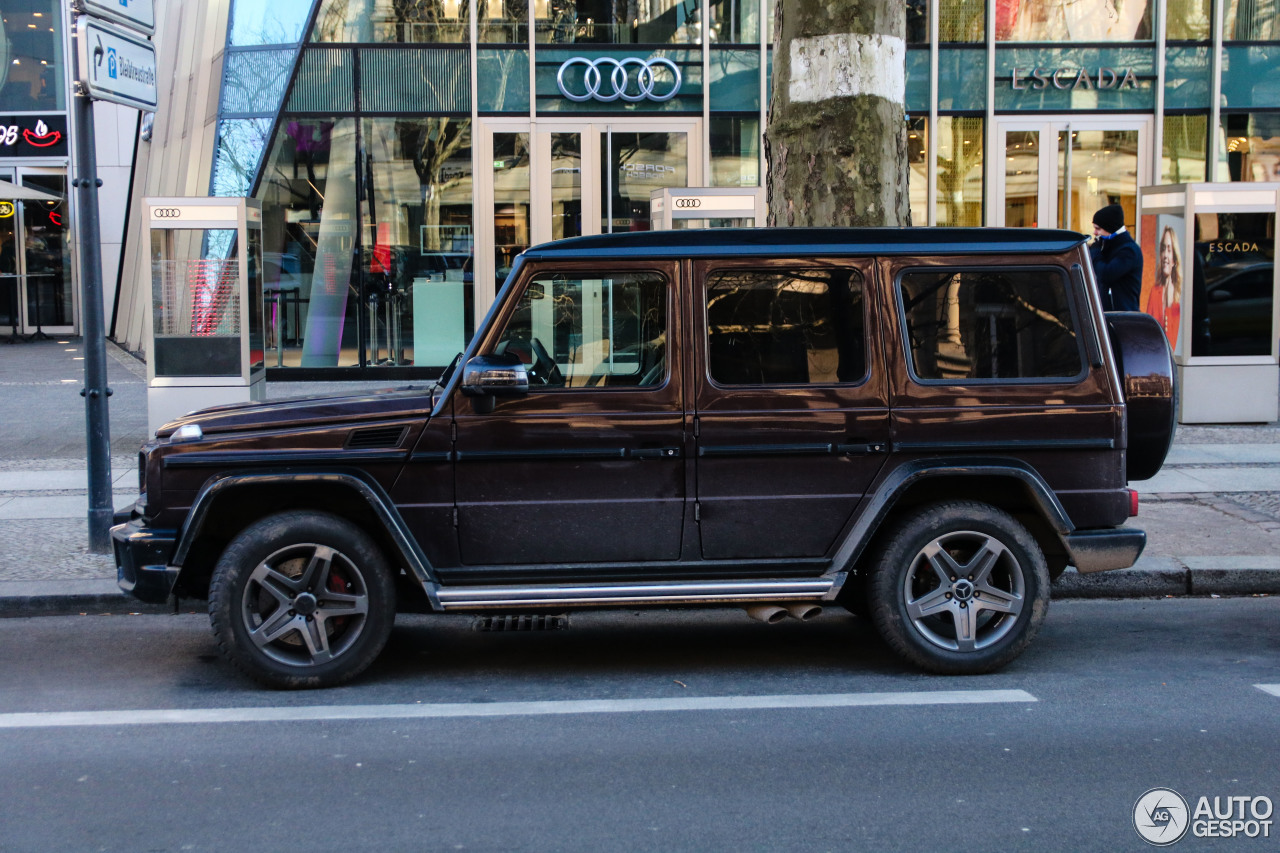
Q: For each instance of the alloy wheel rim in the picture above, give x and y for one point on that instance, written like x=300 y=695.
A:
x=964 y=591
x=305 y=605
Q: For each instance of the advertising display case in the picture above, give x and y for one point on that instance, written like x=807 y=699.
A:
x=706 y=207
x=1210 y=279
x=205 y=318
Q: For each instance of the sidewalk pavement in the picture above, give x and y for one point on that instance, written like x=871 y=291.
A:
x=1212 y=515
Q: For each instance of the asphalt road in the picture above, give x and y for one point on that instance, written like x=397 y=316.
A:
x=653 y=731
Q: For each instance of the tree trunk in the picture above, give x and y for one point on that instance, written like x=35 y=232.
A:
x=836 y=140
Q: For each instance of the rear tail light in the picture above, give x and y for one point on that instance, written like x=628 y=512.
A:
x=1133 y=503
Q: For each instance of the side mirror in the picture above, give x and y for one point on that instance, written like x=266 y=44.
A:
x=495 y=375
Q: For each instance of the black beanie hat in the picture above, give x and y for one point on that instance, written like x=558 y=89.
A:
x=1110 y=218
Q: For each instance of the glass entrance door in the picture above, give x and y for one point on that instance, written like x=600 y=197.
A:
x=561 y=179
x=1058 y=172
x=37 y=289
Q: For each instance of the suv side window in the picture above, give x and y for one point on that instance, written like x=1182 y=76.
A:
x=785 y=328
x=590 y=329
x=989 y=324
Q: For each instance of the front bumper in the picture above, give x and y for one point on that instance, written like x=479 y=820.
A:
x=142 y=560
x=1104 y=550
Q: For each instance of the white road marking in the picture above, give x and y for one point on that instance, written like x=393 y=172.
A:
x=58 y=719
x=1273 y=689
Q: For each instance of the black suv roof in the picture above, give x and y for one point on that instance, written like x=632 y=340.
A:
x=810 y=242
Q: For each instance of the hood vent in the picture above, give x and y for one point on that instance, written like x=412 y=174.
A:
x=375 y=437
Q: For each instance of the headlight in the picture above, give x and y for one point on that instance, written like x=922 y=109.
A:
x=188 y=432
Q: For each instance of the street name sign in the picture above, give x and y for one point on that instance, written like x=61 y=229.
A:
x=116 y=65
x=135 y=14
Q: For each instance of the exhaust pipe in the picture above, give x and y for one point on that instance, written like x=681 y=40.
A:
x=804 y=611
x=770 y=614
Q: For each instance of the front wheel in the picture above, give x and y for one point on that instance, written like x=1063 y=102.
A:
x=302 y=599
x=959 y=588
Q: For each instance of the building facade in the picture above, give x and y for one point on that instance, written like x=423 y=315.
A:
x=39 y=275
x=405 y=151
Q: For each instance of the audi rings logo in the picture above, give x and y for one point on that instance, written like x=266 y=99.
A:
x=688 y=202
x=607 y=79
x=166 y=212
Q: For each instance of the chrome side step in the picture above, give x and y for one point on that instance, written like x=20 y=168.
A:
x=677 y=592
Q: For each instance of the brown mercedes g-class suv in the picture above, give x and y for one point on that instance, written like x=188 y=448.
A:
x=926 y=426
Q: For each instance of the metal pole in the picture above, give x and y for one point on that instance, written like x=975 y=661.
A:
x=95 y=392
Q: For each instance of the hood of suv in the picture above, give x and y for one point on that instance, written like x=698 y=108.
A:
x=412 y=401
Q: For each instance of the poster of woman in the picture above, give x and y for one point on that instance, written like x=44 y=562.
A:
x=1163 y=299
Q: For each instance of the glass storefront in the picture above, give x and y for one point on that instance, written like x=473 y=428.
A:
x=407 y=152
x=32 y=67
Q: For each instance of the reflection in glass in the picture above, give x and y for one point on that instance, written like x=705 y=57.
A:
x=735 y=151
x=10 y=287
x=961 y=20
x=566 y=185
x=1185 y=140
x=414 y=21
x=1250 y=20
x=583 y=330
x=418 y=240
x=511 y=199
x=918 y=168
x=959 y=170
x=237 y=154
x=634 y=165
x=994 y=324
x=734 y=21
x=1104 y=170
x=253 y=81
x=1239 y=253
x=611 y=22
x=917 y=21
x=196 y=310
x=1252 y=146
x=47 y=253
x=1188 y=20
x=1073 y=20
x=31 y=64
x=308 y=199
x=1022 y=178
x=795 y=328
x=259 y=22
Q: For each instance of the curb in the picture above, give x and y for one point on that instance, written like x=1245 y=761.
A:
x=1159 y=577
x=58 y=598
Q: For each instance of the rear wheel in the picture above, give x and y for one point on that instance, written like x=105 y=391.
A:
x=959 y=588
x=302 y=599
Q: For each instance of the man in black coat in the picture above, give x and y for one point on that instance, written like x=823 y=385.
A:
x=1117 y=260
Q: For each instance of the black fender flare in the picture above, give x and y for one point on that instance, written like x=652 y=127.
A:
x=366 y=489
x=900 y=478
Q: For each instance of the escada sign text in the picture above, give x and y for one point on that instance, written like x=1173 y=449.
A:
x=1072 y=78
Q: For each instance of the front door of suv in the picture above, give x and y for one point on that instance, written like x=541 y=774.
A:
x=792 y=412
x=588 y=467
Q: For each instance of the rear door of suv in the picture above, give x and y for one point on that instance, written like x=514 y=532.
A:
x=791 y=404
x=999 y=358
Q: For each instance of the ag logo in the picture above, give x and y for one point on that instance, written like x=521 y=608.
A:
x=688 y=202
x=166 y=212
x=1161 y=817
x=6 y=209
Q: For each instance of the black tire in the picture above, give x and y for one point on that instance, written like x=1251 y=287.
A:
x=302 y=599
x=959 y=588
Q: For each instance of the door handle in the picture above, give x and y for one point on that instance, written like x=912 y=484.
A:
x=862 y=449
x=655 y=453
